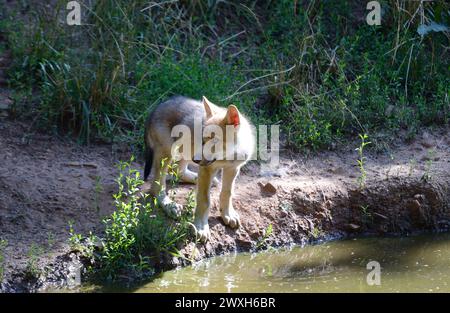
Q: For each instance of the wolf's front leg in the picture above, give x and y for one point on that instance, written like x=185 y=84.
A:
x=205 y=176
x=229 y=215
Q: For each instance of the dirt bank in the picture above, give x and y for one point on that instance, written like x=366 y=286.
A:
x=308 y=198
x=47 y=182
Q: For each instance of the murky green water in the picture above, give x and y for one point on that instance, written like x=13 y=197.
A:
x=412 y=264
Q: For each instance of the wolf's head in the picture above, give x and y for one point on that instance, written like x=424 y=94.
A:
x=220 y=136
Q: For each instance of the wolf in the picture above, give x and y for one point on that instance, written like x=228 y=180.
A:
x=225 y=134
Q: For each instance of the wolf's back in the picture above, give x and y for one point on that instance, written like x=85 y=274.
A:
x=177 y=110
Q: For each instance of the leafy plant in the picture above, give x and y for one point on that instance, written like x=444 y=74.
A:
x=50 y=240
x=366 y=215
x=361 y=161
x=316 y=232
x=137 y=233
x=427 y=175
x=32 y=269
x=412 y=166
x=3 y=244
x=263 y=240
x=75 y=239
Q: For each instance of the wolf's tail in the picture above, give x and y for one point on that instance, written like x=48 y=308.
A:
x=148 y=154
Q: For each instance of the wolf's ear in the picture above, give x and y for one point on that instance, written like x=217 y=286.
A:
x=233 y=117
x=207 y=106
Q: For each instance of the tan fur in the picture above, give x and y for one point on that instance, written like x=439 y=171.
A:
x=181 y=111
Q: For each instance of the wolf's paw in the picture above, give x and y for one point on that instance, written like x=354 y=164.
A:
x=231 y=218
x=189 y=177
x=171 y=208
x=202 y=231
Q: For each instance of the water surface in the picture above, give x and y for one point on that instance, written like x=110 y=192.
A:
x=408 y=264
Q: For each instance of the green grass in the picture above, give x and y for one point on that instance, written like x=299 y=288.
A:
x=315 y=67
x=32 y=270
x=3 y=244
x=361 y=161
x=262 y=242
x=428 y=173
x=137 y=234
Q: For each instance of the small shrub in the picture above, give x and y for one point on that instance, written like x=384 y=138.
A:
x=262 y=242
x=32 y=269
x=137 y=233
x=361 y=161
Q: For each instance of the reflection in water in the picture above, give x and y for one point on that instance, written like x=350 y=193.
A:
x=412 y=264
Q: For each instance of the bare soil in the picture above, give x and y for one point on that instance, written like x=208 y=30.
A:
x=47 y=182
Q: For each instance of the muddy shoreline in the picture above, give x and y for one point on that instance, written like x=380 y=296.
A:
x=47 y=182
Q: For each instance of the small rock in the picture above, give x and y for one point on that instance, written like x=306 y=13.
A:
x=353 y=226
x=175 y=261
x=244 y=243
x=414 y=205
x=5 y=105
x=380 y=215
x=383 y=228
x=427 y=143
x=302 y=223
x=267 y=189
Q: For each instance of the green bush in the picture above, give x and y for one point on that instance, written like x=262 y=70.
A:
x=136 y=232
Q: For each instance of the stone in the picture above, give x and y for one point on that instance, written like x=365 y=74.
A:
x=414 y=205
x=354 y=226
x=267 y=189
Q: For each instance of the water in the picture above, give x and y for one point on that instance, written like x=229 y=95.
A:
x=411 y=264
